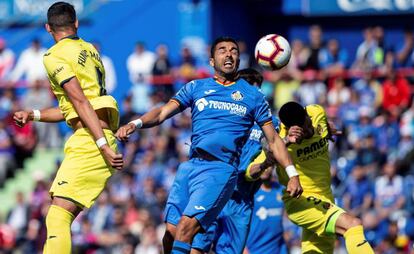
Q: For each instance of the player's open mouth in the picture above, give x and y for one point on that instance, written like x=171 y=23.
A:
x=228 y=63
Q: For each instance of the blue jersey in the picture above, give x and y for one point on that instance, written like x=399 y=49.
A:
x=266 y=230
x=253 y=147
x=222 y=116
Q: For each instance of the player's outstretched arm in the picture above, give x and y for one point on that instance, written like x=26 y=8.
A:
x=89 y=117
x=278 y=149
x=49 y=115
x=152 y=118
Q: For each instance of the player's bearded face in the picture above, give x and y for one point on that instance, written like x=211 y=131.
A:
x=226 y=58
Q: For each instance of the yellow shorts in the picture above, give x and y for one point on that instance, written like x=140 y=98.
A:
x=83 y=174
x=312 y=212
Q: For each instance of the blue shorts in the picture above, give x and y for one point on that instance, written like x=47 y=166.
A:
x=201 y=189
x=229 y=233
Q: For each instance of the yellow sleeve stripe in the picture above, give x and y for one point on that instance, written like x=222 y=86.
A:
x=267 y=123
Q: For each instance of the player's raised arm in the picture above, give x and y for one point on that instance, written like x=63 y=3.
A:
x=278 y=149
x=89 y=117
x=49 y=115
x=152 y=118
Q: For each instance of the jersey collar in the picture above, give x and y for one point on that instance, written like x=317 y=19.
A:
x=72 y=36
x=223 y=84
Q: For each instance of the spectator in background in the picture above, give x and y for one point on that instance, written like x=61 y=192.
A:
x=404 y=52
x=389 y=193
x=284 y=90
x=396 y=92
x=24 y=139
x=315 y=45
x=369 y=90
x=186 y=65
x=358 y=195
x=139 y=65
x=339 y=93
x=40 y=97
x=333 y=59
x=244 y=56
x=387 y=132
x=369 y=55
x=6 y=61
x=161 y=72
x=6 y=152
x=100 y=214
x=349 y=111
x=18 y=217
x=298 y=59
x=110 y=74
x=30 y=65
x=311 y=91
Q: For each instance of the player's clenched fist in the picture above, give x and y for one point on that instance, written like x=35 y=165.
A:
x=293 y=187
x=295 y=135
x=124 y=131
x=114 y=159
x=21 y=118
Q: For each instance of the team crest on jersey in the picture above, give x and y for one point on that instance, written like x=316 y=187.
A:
x=237 y=96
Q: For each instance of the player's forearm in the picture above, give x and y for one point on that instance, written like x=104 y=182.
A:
x=280 y=152
x=48 y=115
x=157 y=115
x=89 y=117
x=152 y=118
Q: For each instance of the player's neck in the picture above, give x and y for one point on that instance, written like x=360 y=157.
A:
x=225 y=79
x=267 y=185
x=64 y=34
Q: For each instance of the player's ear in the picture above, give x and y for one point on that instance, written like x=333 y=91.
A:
x=211 y=62
x=76 y=24
x=48 y=28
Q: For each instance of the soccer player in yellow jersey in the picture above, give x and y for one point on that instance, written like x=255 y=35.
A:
x=76 y=76
x=306 y=132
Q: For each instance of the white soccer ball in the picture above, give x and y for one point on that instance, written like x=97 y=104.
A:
x=272 y=52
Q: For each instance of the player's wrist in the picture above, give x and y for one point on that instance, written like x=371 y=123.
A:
x=35 y=115
x=286 y=140
x=137 y=123
x=101 y=143
x=291 y=171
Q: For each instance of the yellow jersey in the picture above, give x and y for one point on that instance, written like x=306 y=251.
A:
x=311 y=157
x=73 y=57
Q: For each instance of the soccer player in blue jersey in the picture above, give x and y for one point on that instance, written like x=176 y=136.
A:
x=266 y=229
x=224 y=109
x=229 y=233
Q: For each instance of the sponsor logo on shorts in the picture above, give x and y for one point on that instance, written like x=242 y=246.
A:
x=363 y=242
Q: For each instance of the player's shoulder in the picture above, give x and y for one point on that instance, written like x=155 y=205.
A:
x=315 y=110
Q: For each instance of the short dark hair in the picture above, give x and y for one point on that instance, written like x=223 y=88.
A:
x=221 y=39
x=60 y=15
x=252 y=76
x=292 y=113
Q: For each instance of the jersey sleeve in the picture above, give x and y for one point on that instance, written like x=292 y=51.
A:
x=262 y=114
x=185 y=95
x=58 y=69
